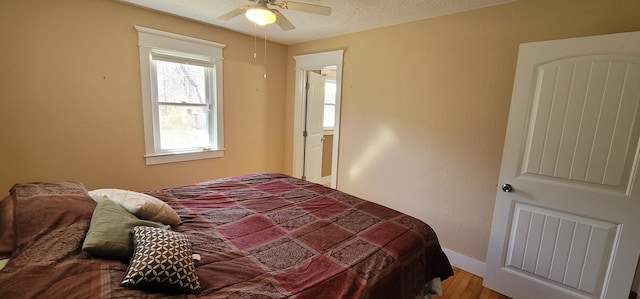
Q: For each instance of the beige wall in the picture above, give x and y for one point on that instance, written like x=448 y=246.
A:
x=425 y=106
x=71 y=106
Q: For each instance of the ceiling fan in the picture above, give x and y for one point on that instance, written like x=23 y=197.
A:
x=261 y=14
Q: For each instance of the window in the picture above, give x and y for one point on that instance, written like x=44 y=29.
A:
x=329 y=104
x=181 y=95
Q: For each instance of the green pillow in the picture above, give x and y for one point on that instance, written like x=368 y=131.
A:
x=109 y=234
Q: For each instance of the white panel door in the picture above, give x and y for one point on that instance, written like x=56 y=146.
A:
x=314 y=127
x=566 y=219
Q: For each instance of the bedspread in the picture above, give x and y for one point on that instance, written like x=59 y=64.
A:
x=262 y=235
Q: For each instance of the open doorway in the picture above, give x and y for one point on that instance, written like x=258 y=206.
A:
x=317 y=117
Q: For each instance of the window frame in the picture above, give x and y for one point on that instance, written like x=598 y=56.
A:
x=184 y=49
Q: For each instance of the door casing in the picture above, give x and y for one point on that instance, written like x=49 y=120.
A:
x=304 y=63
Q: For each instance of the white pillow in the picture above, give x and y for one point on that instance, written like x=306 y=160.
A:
x=142 y=205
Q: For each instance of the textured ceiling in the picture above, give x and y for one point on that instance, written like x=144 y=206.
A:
x=347 y=15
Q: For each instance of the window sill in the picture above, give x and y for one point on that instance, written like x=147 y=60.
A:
x=154 y=159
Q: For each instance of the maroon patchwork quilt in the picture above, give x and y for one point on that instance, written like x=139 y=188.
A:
x=268 y=236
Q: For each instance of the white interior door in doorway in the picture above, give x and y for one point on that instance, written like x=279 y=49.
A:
x=314 y=130
x=566 y=222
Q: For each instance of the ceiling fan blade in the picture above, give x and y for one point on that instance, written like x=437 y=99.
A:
x=282 y=21
x=305 y=7
x=232 y=14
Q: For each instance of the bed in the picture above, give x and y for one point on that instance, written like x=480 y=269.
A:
x=264 y=235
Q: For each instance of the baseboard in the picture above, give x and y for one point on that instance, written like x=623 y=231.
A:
x=465 y=263
x=325 y=180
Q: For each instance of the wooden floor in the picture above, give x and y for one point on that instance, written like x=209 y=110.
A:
x=464 y=285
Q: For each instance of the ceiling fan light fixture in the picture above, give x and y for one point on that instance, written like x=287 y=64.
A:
x=260 y=15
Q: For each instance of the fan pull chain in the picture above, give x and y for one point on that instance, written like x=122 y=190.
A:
x=265 y=52
x=255 y=47
x=255 y=32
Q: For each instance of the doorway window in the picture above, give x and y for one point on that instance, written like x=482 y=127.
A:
x=329 y=116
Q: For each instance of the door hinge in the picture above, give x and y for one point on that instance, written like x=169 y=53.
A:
x=304 y=134
x=306 y=86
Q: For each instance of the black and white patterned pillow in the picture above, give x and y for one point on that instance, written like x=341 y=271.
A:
x=161 y=258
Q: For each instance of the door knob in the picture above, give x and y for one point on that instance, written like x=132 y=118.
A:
x=506 y=188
